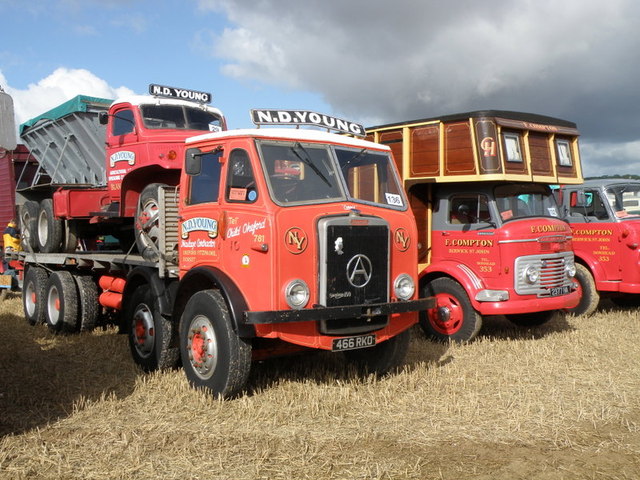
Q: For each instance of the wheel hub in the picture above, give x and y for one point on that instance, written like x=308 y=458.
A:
x=447 y=317
x=202 y=347
x=143 y=331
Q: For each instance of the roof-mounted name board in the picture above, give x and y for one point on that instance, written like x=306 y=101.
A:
x=304 y=117
x=181 y=93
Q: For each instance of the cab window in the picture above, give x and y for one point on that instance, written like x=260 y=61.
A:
x=206 y=184
x=241 y=183
x=469 y=209
x=593 y=206
x=123 y=122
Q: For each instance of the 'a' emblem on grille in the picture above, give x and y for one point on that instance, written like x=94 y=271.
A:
x=359 y=270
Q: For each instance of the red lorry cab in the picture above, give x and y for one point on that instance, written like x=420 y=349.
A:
x=492 y=241
x=604 y=215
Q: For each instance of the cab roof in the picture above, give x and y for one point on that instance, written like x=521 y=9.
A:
x=290 y=134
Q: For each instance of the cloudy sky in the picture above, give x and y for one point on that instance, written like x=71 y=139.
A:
x=368 y=61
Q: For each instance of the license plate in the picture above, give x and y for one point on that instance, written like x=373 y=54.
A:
x=353 y=343
x=557 y=291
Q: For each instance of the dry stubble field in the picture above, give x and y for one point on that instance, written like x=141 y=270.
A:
x=556 y=402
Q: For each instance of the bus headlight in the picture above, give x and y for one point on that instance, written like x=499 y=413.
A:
x=404 y=287
x=531 y=274
x=297 y=294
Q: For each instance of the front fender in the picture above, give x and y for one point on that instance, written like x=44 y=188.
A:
x=460 y=273
x=595 y=267
x=205 y=277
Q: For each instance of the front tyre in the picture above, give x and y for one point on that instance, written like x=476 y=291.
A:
x=381 y=358
x=453 y=317
x=213 y=356
x=150 y=334
x=589 y=296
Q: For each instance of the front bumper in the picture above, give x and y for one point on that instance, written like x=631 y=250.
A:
x=335 y=313
x=515 y=305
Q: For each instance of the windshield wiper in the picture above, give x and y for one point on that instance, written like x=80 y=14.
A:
x=308 y=161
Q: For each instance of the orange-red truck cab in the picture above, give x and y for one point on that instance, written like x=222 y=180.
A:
x=492 y=241
x=309 y=226
x=604 y=215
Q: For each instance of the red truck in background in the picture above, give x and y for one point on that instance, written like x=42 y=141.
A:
x=491 y=240
x=251 y=242
x=604 y=215
x=98 y=156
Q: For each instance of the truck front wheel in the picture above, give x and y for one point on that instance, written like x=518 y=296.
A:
x=150 y=334
x=148 y=223
x=383 y=357
x=453 y=317
x=589 y=296
x=33 y=294
x=213 y=356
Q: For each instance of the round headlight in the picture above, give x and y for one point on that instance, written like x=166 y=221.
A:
x=404 y=287
x=297 y=294
x=531 y=274
x=570 y=269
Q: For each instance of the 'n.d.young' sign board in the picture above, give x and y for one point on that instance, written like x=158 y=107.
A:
x=304 y=117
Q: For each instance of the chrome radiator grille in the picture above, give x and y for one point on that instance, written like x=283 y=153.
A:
x=552 y=274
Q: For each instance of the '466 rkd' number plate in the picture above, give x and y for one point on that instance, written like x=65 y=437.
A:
x=353 y=343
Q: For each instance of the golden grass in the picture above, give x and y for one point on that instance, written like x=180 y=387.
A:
x=559 y=401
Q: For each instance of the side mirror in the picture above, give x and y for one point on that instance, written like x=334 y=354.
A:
x=103 y=118
x=581 y=199
x=193 y=164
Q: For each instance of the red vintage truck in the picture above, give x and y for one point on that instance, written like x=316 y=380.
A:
x=255 y=242
x=491 y=240
x=604 y=215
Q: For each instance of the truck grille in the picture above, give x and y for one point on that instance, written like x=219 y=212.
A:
x=354 y=269
x=552 y=276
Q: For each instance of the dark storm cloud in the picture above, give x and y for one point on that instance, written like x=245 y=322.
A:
x=380 y=62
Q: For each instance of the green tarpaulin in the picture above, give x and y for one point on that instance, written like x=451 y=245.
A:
x=80 y=103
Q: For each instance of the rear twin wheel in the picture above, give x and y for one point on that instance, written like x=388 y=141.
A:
x=150 y=334
x=61 y=302
x=33 y=294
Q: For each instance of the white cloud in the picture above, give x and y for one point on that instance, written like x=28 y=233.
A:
x=62 y=85
x=379 y=62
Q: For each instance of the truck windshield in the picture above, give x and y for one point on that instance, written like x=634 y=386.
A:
x=180 y=117
x=525 y=200
x=624 y=200
x=299 y=173
x=370 y=177
x=309 y=173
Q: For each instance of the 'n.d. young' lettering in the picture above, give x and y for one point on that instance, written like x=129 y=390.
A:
x=204 y=224
x=304 y=117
